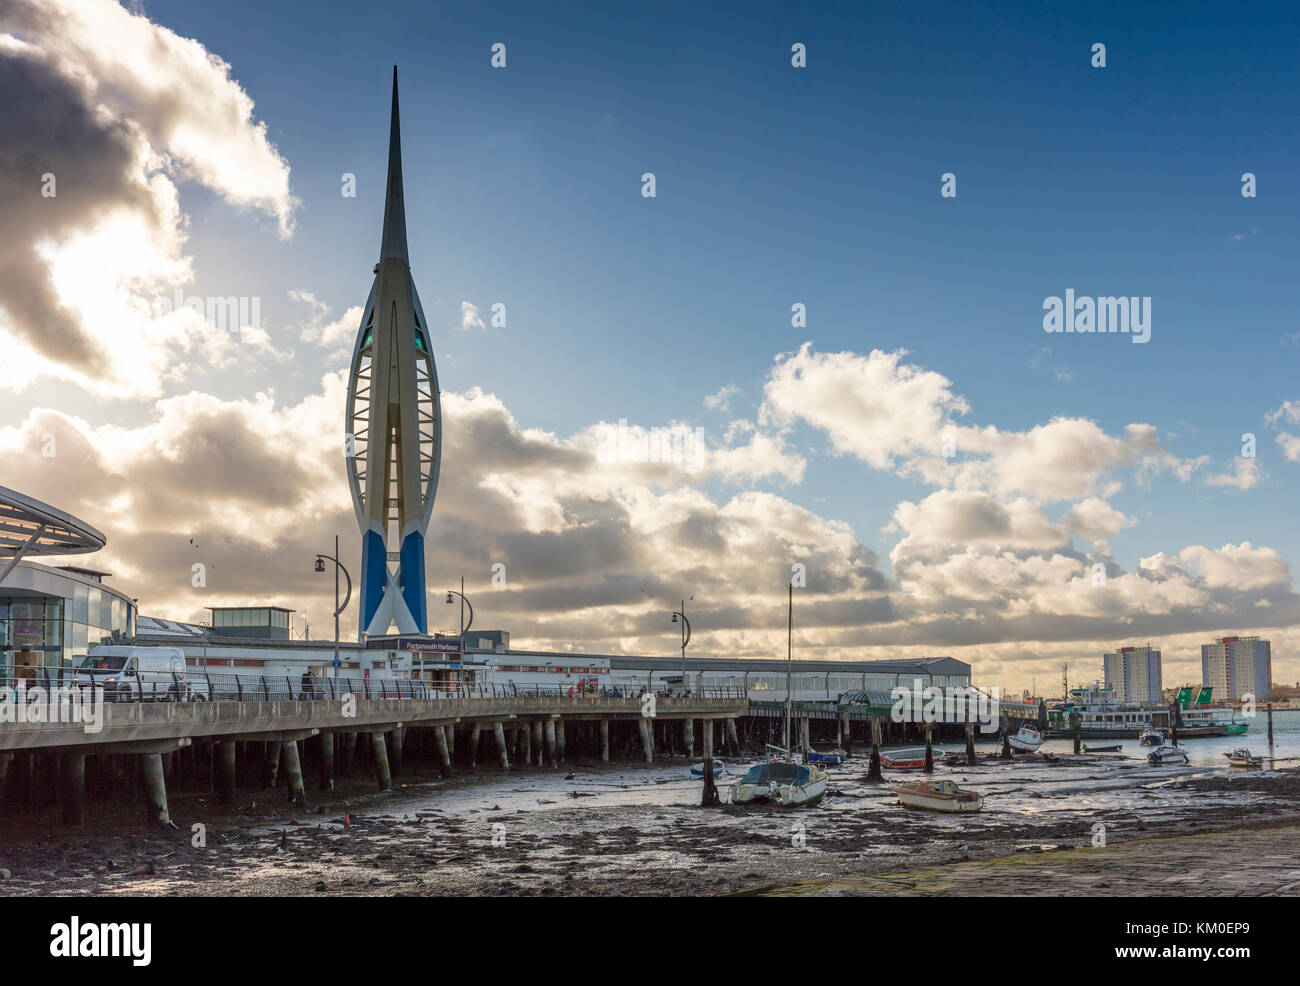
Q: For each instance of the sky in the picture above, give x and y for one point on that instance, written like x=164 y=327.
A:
x=953 y=479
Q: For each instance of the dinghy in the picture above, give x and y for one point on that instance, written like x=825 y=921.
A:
x=1162 y=755
x=937 y=796
x=830 y=757
x=1028 y=740
x=787 y=784
x=1241 y=757
x=912 y=758
x=1102 y=749
x=719 y=768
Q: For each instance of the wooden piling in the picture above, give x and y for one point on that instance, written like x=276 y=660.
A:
x=873 y=765
x=74 y=789
x=293 y=775
x=710 y=796
x=383 y=777
x=444 y=750
x=327 y=761
x=226 y=771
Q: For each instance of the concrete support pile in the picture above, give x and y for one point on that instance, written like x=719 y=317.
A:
x=383 y=777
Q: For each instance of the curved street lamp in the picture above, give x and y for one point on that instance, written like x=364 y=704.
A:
x=464 y=627
x=686 y=639
x=338 y=567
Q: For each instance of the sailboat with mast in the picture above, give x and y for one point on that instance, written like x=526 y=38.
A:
x=781 y=780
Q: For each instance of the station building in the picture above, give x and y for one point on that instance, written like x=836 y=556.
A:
x=50 y=616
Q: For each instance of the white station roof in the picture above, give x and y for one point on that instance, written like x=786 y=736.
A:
x=30 y=527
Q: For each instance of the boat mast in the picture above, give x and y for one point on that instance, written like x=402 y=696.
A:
x=789 y=668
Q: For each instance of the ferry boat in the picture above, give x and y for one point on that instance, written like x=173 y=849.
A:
x=1106 y=717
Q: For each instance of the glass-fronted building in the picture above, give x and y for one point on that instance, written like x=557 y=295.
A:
x=50 y=616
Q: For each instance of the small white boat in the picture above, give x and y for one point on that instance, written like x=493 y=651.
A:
x=1167 y=754
x=912 y=758
x=719 y=768
x=1151 y=737
x=1241 y=757
x=1028 y=740
x=938 y=796
x=789 y=784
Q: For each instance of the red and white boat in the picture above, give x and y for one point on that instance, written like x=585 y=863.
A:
x=937 y=796
x=912 y=758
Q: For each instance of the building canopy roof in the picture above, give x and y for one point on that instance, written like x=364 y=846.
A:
x=30 y=527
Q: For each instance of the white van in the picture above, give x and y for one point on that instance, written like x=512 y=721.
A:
x=151 y=674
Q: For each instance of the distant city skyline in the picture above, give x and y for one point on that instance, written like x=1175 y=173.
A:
x=823 y=350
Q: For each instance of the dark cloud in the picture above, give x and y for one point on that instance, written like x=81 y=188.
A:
x=47 y=127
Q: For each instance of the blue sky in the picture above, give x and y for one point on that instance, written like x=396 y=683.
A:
x=778 y=185
x=820 y=185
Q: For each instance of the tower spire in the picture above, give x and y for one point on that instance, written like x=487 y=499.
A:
x=394 y=238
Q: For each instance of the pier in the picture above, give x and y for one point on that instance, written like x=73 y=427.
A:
x=257 y=730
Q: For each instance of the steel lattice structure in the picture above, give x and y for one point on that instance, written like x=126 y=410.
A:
x=394 y=426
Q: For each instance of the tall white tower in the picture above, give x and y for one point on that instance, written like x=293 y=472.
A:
x=394 y=426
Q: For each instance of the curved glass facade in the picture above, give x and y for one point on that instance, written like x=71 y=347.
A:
x=49 y=618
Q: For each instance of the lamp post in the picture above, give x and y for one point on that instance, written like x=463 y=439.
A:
x=686 y=639
x=464 y=627
x=338 y=567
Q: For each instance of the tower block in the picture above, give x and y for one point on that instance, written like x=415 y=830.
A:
x=394 y=426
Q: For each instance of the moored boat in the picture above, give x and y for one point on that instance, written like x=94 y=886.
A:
x=1151 y=737
x=719 y=768
x=1027 y=740
x=1104 y=716
x=1241 y=757
x=1162 y=755
x=912 y=758
x=943 y=796
x=1102 y=749
x=830 y=757
x=788 y=784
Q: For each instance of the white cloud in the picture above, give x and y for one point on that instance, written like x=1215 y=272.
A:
x=1245 y=474
x=721 y=401
x=1095 y=519
x=469 y=317
x=899 y=417
x=87 y=275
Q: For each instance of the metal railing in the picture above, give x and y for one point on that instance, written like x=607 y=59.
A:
x=201 y=685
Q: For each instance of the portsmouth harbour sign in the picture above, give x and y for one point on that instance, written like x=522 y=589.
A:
x=430 y=646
